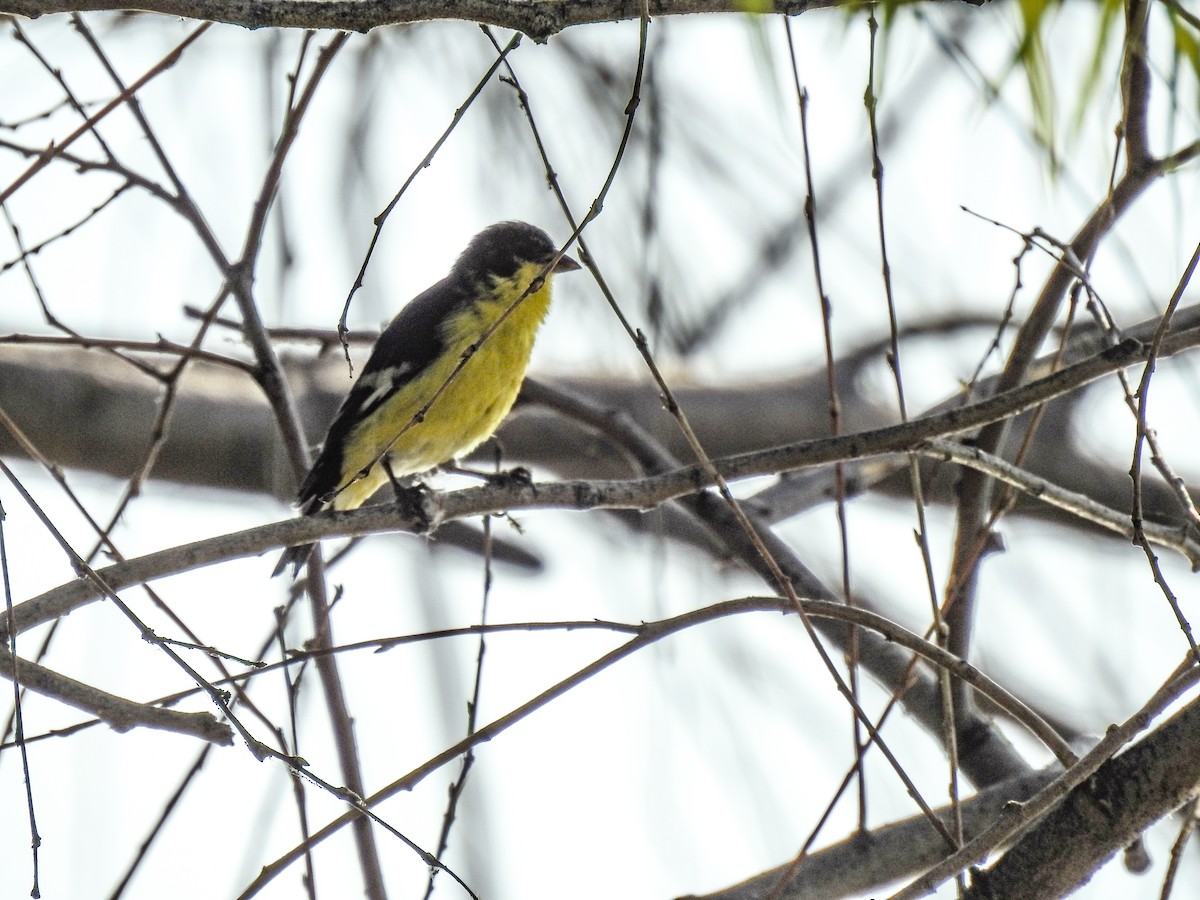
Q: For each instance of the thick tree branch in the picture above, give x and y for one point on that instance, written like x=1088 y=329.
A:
x=537 y=18
x=866 y=860
x=1101 y=816
x=1027 y=819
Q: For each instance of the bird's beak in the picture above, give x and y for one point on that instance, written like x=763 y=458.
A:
x=565 y=264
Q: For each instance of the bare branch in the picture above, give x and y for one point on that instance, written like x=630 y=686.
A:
x=118 y=712
x=537 y=18
x=868 y=859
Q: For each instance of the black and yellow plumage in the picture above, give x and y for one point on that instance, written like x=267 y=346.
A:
x=417 y=355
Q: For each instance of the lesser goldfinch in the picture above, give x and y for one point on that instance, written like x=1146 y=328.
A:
x=377 y=426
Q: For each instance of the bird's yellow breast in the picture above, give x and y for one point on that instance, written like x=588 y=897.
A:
x=471 y=405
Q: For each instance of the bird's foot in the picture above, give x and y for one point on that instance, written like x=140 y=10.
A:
x=410 y=496
x=412 y=501
x=519 y=476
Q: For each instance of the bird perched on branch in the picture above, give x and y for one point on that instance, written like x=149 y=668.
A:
x=442 y=375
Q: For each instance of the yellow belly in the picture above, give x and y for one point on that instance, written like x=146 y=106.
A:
x=464 y=415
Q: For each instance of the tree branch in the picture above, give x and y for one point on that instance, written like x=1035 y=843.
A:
x=119 y=713
x=1100 y=816
x=537 y=18
x=868 y=859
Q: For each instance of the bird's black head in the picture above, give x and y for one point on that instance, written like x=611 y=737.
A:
x=501 y=249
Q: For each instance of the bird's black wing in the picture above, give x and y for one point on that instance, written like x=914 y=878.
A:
x=410 y=343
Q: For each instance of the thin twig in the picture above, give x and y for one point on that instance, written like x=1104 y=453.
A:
x=1187 y=824
x=501 y=58
x=35 y=839
x=1183 y=540
x=1135 y=469
x=54 y=150
x=835 y=422
x=459 y=784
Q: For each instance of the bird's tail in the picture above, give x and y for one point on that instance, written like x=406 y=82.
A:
x=294 y=557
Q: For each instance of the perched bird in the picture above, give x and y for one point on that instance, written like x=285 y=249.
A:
x=380 y=426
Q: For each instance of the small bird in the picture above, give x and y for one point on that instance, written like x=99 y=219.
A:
x=383 y=430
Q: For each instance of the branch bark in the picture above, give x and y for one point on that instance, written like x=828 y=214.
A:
x=117 y=712
x=1101 y=816
x=864 y=861
x=537 y=18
